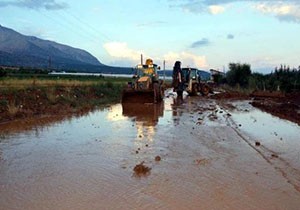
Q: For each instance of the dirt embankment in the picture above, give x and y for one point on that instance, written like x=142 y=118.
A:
x=285 y=106
x=43 y=101
x=234 y=95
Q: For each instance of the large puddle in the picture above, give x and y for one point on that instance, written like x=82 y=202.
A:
x=280 y=137
x=87 y=162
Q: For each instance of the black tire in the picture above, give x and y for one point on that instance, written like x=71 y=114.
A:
x=194 y=90
x=204 y=90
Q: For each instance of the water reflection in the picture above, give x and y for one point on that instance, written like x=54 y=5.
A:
x=115 y=113
x=36 y=124
x=276 y=135
x=147 y=114
x=176 y=107
x=146 y=117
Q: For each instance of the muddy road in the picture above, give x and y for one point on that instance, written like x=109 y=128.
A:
x=192 y=154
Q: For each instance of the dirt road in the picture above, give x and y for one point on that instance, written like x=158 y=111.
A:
x=200 y=154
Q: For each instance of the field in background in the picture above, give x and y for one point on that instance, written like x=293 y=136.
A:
x=23 y=96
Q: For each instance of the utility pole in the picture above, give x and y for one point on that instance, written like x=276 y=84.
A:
x=49 y=63
x=141 y=59
x=164 y=70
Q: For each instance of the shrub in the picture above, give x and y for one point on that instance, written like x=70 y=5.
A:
x=2 y=72
x=238 y=74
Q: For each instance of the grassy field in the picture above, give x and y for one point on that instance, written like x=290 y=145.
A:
x=29 y=95
x=27 y=80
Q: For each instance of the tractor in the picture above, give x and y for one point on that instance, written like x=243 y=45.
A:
x=146 y=87
x=192 y=83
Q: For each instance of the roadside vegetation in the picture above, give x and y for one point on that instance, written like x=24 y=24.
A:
x=239 y=76
x=28 y=95
x=277 y=93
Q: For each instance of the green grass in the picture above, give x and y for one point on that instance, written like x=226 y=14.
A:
x=43 y=94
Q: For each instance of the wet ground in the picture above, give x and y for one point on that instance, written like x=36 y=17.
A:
x=193 y=154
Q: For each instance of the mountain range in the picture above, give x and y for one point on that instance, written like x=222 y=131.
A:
x=19 y=50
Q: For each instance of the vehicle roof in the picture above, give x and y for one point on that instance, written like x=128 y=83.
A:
x=189 y=68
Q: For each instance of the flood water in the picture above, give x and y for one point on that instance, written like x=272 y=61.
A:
x=278 y=136
x=87 y=162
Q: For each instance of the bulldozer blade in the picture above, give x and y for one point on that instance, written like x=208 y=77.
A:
x=138 y=97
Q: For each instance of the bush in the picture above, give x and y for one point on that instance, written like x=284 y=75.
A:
x=238 y=74
x=2 y=72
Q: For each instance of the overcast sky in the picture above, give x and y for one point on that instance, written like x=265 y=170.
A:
x=204 y=34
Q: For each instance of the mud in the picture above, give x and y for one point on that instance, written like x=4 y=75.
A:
x=225 y=95
x=40 y=102
x=202 y=153
x=141 y=169
x=157 y=158
x=285 y=106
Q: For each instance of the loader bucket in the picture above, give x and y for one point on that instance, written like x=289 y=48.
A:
x=131 y=96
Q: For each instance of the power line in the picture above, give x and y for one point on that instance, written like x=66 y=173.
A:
x=62 y=24
x=88 y=25
x=65 y=22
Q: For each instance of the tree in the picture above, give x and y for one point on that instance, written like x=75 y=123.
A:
x=257 y=81
x=2 y=72
x=238 y=74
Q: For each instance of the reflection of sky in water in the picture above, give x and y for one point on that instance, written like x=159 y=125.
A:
x=168 y=115
x=278 y=135
x=144 y=118
x=144 y=132
x=115 y=113
x=265 y=126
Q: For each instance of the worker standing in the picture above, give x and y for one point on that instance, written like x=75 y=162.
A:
x=178 y=83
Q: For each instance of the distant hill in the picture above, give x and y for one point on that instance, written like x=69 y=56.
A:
x=29 y=51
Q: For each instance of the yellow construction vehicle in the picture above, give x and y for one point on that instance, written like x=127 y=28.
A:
x=146 y=87
x=191 y=83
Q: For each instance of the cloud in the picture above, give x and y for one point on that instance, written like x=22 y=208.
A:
x=193 y=7
x=122 y=55
x=288 y=10
x=200 y=43
x=121 y=52
x=36 y=4
x=285 y=12
x=187 y=59
x=200 y=7
x=230 y=36
x=215 y=9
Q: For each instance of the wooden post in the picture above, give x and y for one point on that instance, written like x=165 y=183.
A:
x=141 y=59
x=164 y=70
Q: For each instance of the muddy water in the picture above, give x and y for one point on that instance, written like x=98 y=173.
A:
x=280 y=137
x=207 y=160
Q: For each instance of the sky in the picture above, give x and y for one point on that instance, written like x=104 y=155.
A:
x=206 y=34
